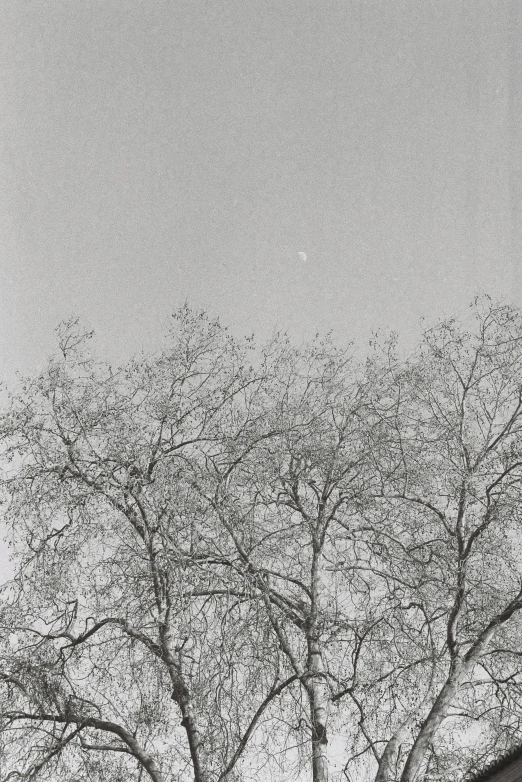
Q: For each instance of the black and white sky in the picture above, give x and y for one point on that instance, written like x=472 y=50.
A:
x=301 y=164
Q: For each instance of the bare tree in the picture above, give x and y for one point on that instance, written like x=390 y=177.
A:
x=121 y=611
x=288 y=503
x=444 y=538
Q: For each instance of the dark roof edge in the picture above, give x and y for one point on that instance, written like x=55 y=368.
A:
x=497 y=765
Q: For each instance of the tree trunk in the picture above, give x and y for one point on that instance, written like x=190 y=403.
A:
x=181 y=696
x=195 y=739
x=388 y=765
x=316 y=684
x=439 y=711
x=319 y=698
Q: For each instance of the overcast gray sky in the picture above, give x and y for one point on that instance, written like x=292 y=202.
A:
x=161 y=150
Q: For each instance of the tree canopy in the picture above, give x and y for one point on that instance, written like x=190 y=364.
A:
x=265 y=562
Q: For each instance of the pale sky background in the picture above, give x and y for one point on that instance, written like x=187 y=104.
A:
x=157 y=151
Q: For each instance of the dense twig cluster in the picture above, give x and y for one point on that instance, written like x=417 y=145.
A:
x=244 y=563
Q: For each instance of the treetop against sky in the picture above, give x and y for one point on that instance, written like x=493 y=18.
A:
x=171 y=150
